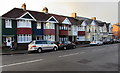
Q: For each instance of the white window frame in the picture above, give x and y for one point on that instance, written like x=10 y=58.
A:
x=24 y=38
x=8 y=23
x=49 y=26
x=24 y=23
x=38 y=25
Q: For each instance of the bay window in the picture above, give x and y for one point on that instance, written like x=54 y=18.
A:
x=49 y=37
x=24 y=38
x=24 y=23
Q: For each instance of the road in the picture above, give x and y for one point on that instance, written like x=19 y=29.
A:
x=93 y=58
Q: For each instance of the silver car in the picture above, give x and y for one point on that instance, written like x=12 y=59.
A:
x=39 y=45
x=96 y=43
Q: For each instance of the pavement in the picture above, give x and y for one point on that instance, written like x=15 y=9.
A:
x=10 y=52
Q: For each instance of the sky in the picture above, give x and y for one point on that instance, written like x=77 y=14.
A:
x=104 y=10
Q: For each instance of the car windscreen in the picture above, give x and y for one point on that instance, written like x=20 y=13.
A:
x=40 y=42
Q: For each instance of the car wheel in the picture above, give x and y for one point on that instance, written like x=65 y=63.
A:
x=74 y=47
x=98 y=44
x=64 y=48
x=55 y=48
x=39 y=50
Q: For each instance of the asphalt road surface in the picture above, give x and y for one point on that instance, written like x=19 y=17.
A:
x=93 y=58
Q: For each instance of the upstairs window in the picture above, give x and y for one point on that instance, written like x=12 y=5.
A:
x=8 y=23
x=49 y=26
x=38 y=25
x=63 y=27
x=24 y=23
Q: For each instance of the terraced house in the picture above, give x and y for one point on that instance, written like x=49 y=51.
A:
x=93 y=30
x=21 y=26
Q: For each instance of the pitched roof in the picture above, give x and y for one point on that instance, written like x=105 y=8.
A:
x=39 y=16
x=14 y=13
x=87 y=20
x=99 y=23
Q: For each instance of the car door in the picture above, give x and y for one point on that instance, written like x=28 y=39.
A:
x=45 y=45
x=50 y=45
x=69 y=44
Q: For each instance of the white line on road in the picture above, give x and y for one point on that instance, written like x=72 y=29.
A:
x=69 y=55
x=21 y=63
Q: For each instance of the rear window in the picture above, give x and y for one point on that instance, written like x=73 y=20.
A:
x=40 y=42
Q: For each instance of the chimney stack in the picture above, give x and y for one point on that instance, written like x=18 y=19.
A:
x=74 y=15
x=23 y=6
x=45 y=10
x=93 y=18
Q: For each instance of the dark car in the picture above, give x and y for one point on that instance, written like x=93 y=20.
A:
x=112 y=41
x=65 y=45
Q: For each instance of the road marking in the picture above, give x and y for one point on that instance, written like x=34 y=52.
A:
x=69 y=55
x=21 y=63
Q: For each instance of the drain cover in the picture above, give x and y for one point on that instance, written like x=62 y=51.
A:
x=84 y=61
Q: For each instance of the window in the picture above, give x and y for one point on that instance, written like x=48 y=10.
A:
x=49 y=37
x=8 y=23
x=63 y=27
x=41 y=42
x=23 y=23
x=39 y=38
x=63 y=39
x=24 y=38
x=49 y=26
x=38 y=25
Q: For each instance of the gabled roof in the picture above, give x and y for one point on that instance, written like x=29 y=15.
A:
x=99 y=23
x=39 y=16
x=14 y=13
x=87 y=20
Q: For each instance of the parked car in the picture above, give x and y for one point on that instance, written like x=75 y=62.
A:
x=39 y=45
x=112 y=41
x=106 y=42
x=65 y=45
x=96 y=43
x=118 y=40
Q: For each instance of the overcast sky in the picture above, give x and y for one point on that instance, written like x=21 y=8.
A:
x=105 y=10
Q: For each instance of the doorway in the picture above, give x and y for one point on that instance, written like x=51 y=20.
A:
x=8 y=41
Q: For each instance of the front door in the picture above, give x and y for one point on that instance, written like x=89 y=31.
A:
x=8 y=41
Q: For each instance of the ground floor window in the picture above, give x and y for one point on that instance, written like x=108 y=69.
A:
x=49 y=37
x=38 y=37
x=24 y=38
x=63 y=38
x=81 y=38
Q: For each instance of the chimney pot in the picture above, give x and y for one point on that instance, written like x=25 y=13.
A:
x=93 y=18
x=74 y=15
x=45 y=10
x=23 y=6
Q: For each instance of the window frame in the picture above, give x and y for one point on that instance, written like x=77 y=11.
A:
x=38 y=25
x=24 y=38
x=8 y=23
